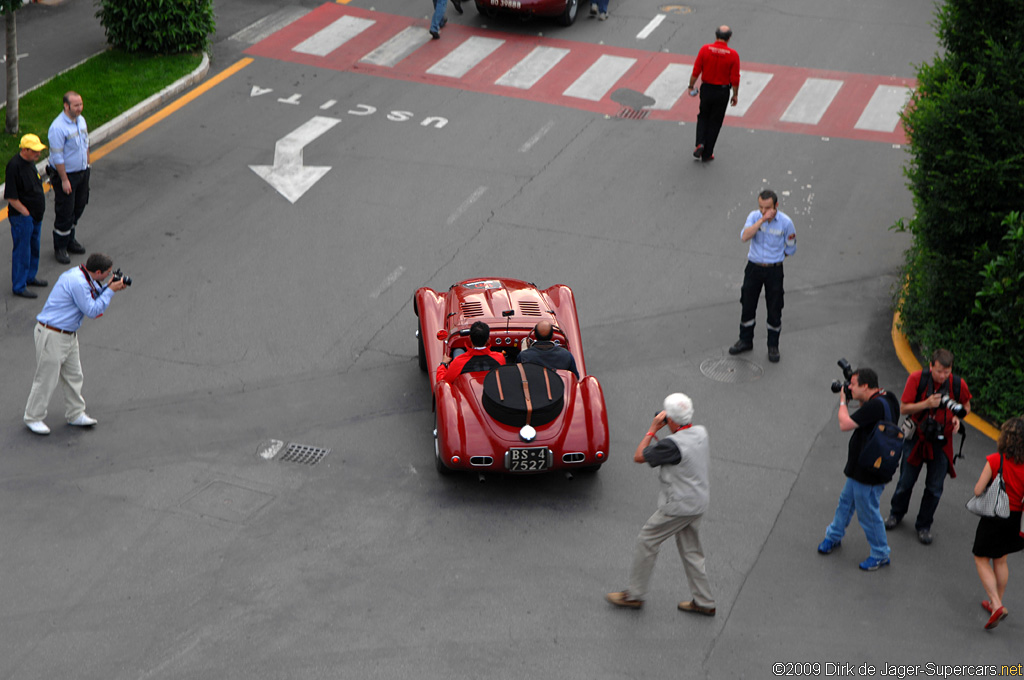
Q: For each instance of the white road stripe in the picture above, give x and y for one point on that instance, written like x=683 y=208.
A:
x=459 y=61
x=465 y=204
x=387 y=282
x=669 y=86
x=532 y=67
x=255 y=32
x=537 y=137
x=882 y=114
x=331 y=37
x=602 y=75
x=811 y=102
x=752 y=84
x=398 y=48
x=649 y=28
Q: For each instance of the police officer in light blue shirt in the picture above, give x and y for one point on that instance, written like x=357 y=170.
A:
x=772 y=238
x=68 y=169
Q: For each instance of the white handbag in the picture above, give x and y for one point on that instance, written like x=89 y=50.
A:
x=994 y=502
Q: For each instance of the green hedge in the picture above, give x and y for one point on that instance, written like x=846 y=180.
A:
x=157 y=26
x=966 y=133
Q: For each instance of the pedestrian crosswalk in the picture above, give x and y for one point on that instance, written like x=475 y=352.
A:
x=585 y=76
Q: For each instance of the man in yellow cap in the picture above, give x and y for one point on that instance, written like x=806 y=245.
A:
x=25 y=205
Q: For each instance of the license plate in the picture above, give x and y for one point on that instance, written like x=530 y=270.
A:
x=532 y=459
x=508 y=4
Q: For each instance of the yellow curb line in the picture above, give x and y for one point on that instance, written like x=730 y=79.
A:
x=911 y=364
x=157 y=117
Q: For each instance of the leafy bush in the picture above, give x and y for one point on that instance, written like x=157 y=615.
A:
x=966 y=137
x=157 y=26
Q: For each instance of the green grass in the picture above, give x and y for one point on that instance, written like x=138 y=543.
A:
x=110 y=83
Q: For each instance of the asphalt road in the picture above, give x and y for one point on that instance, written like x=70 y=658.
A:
x=160 y=545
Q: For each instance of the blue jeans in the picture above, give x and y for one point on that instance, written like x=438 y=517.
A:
x=933 y=481
x=602 y=6
x=25 y=257
x=864 y=499
x=440 y=7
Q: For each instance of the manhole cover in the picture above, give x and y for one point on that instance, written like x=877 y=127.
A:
x=731 y=370
x=307 y=455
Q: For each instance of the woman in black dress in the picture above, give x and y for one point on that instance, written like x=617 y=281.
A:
x=997 y=537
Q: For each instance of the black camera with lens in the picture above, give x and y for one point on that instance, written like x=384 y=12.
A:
x=119 y=275
x=838 y=386
x=931 y=431
x=956 y=408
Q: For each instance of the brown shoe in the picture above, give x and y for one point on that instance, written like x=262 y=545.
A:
x=695 y=608
x=622 y=600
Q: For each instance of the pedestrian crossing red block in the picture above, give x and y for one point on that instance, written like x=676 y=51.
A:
x=584 y=75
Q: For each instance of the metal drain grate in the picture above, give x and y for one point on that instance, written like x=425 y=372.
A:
x=307 y=455
x=630 y=113
x=730 y=370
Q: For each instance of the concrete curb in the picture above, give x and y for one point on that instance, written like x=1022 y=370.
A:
x=114 y=127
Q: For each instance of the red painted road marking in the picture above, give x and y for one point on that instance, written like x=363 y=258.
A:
x=765 y=112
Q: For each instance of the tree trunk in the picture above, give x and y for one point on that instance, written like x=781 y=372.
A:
x=12 y=73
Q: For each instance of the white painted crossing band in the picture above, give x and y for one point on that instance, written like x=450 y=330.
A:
x=669 y=86
x=752 y=84
x=398 y=47
x=333 y=36
x=649 y=28
x=882 y=114
x=602 y=75
x=812 y=101
x=268 y=25
x=459 y=61
x=532 y=67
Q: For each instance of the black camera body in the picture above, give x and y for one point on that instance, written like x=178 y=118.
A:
x=119 y=275
x=931 y=431
x=838 y=386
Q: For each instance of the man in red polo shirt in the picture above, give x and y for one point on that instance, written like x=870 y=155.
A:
x=718 y=66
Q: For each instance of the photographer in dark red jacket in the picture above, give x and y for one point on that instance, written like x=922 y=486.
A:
x=930 y=400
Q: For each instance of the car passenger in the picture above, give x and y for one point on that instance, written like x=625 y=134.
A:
x=480 y=358
x=546 y=353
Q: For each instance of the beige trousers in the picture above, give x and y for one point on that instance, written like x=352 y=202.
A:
x=57 y=360
x=659 y=528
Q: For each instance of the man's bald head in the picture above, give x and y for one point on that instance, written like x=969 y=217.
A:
x=723 y=33
x=544 y=331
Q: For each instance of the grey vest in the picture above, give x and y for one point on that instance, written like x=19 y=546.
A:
x=684 y=486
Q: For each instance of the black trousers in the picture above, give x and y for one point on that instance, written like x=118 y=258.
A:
x=714 y=100
x=754 y=278
x=67 y=208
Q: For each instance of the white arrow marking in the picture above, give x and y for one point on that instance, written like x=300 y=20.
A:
x=287 y=174
x=256 y=90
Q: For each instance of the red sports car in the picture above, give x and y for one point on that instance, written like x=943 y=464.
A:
x=519 y=418
x=563 y=10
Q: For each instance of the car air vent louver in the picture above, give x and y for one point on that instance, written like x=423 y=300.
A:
x=472 y=309
x=529 y=308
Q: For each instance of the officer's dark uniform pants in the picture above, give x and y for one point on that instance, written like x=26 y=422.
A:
x=754 y=277
x=714 y=100
x=68 y=208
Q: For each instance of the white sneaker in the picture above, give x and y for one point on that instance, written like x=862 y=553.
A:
x=593 y=9
x=37 y=426
x=603 y=16
x=83 y=421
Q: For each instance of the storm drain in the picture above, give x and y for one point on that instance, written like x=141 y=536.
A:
x=731 y=370
x=629 y=113
x=307 y=455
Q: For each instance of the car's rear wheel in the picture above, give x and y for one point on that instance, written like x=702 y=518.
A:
x=442 y=469
x=571 y=10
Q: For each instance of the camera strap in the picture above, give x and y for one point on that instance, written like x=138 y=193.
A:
x=94 y=290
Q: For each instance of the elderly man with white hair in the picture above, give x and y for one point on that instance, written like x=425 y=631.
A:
x=682 y=462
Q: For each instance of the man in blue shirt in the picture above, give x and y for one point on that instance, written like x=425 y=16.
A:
x=78 y=293
x=772 y=238
x=546 y=353
x=68 y=170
